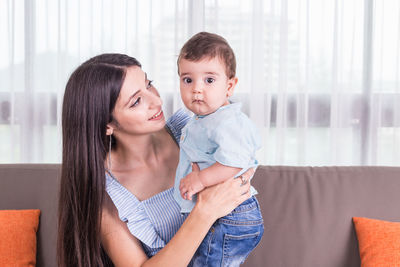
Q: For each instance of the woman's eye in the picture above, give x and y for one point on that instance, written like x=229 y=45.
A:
x=150 y=84
x=136 y=103
x=210 y=80
x=187 y=80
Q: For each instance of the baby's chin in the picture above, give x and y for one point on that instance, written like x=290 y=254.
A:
x=202 y=111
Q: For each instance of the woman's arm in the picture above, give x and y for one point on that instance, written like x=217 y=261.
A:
x=118 y=242
x=212 y=203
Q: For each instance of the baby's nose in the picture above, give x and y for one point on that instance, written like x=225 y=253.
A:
x=197 y=88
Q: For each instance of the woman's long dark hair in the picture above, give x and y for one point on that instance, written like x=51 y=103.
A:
x=89 y=100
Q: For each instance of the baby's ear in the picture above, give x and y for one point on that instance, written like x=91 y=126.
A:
x=231 y=86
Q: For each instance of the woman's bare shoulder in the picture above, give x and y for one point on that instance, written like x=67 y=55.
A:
x=109 y=215
x=118 y=242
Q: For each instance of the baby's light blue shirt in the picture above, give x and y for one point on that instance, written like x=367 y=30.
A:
x=226 y=136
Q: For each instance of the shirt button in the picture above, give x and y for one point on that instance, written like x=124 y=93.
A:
x=182 y=137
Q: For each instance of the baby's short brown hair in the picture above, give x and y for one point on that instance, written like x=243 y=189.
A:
x=205 y=44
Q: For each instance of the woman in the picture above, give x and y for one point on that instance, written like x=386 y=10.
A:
x=118 y=170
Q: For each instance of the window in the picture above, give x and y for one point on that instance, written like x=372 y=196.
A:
x=320 y=78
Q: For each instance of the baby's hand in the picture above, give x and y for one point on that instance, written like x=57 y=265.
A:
x=191 y=184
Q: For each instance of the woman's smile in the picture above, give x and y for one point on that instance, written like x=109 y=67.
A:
x=158 y=116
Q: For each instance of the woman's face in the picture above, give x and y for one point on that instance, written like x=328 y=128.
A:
x=138 y=109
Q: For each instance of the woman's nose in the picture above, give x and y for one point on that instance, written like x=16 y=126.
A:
x=155 y=99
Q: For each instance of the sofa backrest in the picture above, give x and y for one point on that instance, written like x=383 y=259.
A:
x=308 y=212
x=34 y=186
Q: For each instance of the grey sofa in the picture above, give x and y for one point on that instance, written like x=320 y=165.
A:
x=34 y=186
x=307 y=211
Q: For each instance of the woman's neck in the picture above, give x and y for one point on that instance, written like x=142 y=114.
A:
x=137 y=151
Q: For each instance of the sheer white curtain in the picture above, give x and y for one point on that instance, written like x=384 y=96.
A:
x=320 y=78
x=43 y=41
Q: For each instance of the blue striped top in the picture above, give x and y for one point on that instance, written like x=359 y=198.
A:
x=154 y=221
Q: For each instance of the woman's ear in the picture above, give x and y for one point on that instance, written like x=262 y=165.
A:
x=231 y=86
x=110 y=129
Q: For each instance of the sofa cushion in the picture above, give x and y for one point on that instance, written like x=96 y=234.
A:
x=308 y=212
x=34 y=186
x=18 y=237
x=379 y=242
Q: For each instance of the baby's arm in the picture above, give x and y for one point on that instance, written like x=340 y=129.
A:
x=196 y=181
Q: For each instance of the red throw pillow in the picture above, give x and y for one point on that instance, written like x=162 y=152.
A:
x=18 y=237
x=378 y=241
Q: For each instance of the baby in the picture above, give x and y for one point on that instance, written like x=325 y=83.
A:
x=222 y=141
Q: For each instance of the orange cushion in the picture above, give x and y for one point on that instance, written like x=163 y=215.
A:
x=18 y=237
x=378 y=241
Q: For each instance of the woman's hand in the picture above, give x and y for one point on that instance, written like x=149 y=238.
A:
x=219 y=200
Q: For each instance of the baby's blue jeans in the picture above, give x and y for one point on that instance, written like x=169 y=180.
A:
x=231 y=238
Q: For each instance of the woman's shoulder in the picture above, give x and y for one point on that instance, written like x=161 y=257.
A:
x=109 y=216
x=179 y=118
x=176 y=122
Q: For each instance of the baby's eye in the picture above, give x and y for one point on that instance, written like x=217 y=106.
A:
x=187 y=80
x=136 y=103
x=149 y=84
x=210 y=80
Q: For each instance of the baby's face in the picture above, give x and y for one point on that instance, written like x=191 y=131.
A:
x=204 y=85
